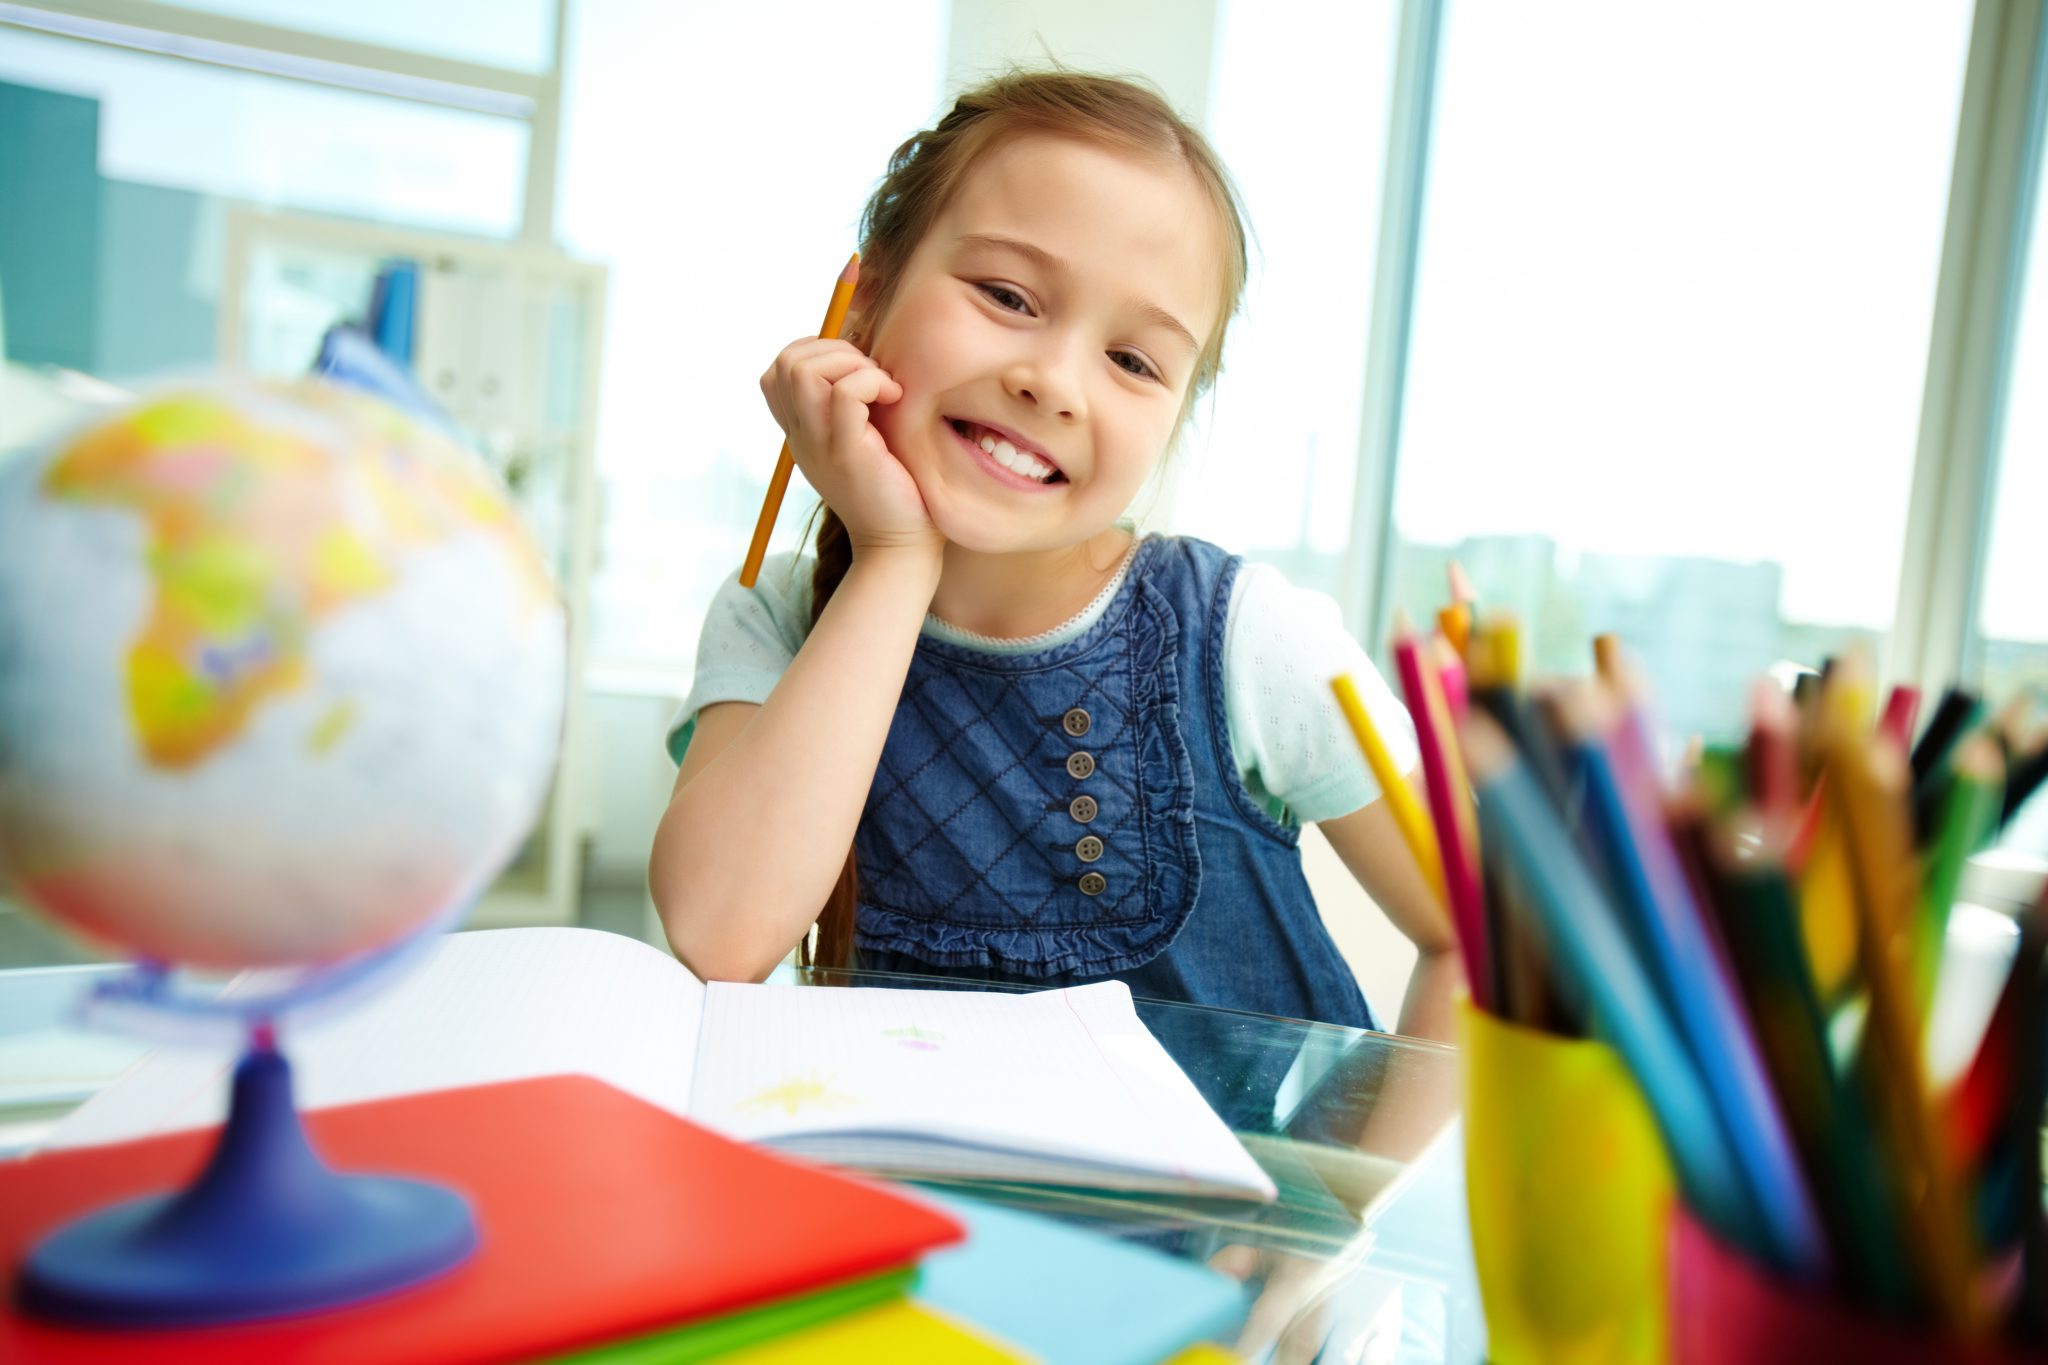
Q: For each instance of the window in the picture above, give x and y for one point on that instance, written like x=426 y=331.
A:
x=282 y=143
x=718 y=168
x=518 y=35
x=131 y=157
x=1677 y=273
x=1267 y=467
x=2009 y=647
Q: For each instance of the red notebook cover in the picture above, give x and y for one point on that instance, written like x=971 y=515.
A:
x=599 y=1217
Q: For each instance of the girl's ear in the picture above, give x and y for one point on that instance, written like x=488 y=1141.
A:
x=857 y=312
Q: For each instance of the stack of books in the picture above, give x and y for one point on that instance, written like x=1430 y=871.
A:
x=608 y=1118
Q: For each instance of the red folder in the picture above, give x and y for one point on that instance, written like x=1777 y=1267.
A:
x=600 y=1217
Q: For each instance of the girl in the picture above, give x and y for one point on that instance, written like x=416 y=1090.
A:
x=1060 y=751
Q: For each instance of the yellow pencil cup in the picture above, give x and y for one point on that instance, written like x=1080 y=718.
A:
x=1570 y=1197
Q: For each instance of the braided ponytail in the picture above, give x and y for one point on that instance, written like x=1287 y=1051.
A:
x=835 y=921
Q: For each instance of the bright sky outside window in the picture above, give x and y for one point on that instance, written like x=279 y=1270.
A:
x=1268 y=466
x=719 y=168
x=1677 y=272
x=281 y=143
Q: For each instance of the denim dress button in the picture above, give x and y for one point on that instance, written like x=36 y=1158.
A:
x=1088 y=849
x=1082 y=808
x=1093 y=883
x=1080 y=765
x=1076 y=722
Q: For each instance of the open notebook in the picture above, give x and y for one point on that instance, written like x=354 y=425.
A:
x=1061 y=1087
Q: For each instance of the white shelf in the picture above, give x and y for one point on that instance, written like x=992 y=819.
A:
x=508 y=340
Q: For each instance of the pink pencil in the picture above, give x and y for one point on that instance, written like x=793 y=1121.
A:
x=1901 y=709
x=1450 y=675
x=1450 y=805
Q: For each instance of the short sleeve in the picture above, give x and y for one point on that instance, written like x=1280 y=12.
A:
x=750 y=636
x=1282 y=646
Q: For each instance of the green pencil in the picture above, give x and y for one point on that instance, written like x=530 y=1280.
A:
x=1969 y=817
x=1831 y=1129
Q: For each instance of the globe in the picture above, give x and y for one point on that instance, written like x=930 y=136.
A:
x=281 y=676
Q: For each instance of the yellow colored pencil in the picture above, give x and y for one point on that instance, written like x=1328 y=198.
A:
x=1875 y=787
x=1493 y=659
x=1409 y=815
x=778 y=483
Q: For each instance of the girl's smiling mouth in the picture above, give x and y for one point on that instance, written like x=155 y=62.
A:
x=1003 y=457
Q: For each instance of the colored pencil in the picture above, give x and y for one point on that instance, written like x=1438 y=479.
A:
x=1820 y=847
x=1494 y=658
x=1455 y=625
x=778 y=483
x=1409 y=816
x=1450 y=676
x=2023 y=1115
x=1984 y=1094
x=1522 y=828
x=1450 y=804
x=1901 y=709
x=1462 y=592
x=1688 y=967
x=1607 y=657
x=1968 y=820
x=1746 y=864
x=1953 y=715
x=1772 y=760
x=1872 y=778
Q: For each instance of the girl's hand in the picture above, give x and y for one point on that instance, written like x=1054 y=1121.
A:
x=820 y=392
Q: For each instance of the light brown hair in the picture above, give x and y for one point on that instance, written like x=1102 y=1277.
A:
x=924 y=174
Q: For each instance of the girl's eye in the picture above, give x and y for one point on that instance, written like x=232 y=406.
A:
x=1005 y=297
x=1134 y=365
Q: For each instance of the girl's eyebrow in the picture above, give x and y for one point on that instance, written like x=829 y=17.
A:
x=1053 y=265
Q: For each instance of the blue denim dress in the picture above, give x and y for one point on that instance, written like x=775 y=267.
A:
x=1074 y=814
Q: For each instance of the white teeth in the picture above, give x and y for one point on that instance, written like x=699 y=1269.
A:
x=1013 y=459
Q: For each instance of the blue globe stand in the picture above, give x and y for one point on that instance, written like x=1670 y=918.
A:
x=266 y=1230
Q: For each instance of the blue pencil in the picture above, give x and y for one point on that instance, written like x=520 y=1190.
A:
x=1652 y=892
x=1522 y=830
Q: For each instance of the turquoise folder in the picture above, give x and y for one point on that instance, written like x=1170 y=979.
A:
x=1072 y=1296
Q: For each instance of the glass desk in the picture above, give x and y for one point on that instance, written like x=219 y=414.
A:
x=1364 y=1255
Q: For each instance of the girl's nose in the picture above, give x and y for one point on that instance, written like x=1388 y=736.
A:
x=1049 y=383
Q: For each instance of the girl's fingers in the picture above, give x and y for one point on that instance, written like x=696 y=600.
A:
x=851 y=397
x=870 y=385
x=816 y=358
x=797 y=385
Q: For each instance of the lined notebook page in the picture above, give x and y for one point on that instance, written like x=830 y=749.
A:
x=1070 y=1074
x=491 y=1005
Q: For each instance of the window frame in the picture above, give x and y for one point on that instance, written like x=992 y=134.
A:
x=295 y=54
x=1993 y=191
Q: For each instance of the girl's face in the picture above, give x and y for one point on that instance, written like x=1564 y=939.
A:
x=1045 y=333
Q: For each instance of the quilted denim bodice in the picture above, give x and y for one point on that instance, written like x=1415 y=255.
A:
x=1074 y=814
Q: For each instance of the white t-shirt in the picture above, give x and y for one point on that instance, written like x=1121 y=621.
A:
x=1282 y=645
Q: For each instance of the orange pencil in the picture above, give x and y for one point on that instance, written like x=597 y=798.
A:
x=778 y=483
x=1462 y=591
x=1607 y=658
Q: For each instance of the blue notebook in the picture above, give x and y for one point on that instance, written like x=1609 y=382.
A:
x=1064 y=1294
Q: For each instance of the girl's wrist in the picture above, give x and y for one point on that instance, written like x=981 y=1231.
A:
x=914 y=565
